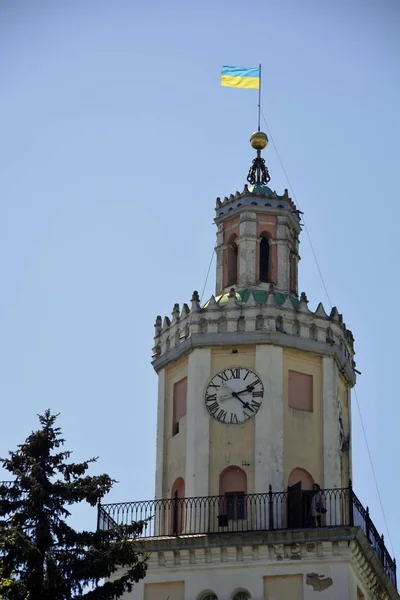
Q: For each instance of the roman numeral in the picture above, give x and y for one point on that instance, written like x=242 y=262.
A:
x=221 y=415
x=223 y=376
x=212 y=408
x=247 y=374
x=214 y=385
x=211 y=397
x=246 y=415
x=235 y=373
x=254 y=404
x=255 y=382
x=234 y=418
x=258 y=394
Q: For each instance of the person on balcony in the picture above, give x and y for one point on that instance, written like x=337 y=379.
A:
x=317 y=506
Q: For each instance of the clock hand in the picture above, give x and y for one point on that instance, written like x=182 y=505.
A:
x=245 y=404
x=248 y=389
x=236 y=395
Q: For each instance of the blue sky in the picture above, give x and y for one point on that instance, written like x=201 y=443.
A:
x=116 y=138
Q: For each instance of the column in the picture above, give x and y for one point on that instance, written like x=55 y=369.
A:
x=197 y=424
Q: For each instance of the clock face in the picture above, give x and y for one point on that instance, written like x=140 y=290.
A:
x=234 y=395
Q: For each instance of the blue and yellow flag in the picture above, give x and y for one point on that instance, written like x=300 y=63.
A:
x=239 y=77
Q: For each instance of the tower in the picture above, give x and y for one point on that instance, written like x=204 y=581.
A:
x=253 y=417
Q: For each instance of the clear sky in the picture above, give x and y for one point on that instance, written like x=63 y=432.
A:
x=116 y=138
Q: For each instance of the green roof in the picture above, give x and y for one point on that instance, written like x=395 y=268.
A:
x=260 y=296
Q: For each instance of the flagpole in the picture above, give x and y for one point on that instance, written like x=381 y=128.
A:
x=259 y=101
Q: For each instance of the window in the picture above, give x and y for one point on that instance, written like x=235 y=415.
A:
x=241 y=596
x=208 y=596
x=232 y=271
x=264 y=259
x=179 y=402
x=300 y=391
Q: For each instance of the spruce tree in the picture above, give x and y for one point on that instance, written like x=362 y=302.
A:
x=41 y=556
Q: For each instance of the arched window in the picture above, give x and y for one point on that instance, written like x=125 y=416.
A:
x=241 y=324
x=222 y=325
x=279 y=324
x=232 y=266
x=241 y=595
x=259 y=322
x=208 y=596
x=233 y=487
x=264 y=259
x=313 y=331
x=203 y=326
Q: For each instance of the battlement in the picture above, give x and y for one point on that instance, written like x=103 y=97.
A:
x=262 y=197
x=246 y=317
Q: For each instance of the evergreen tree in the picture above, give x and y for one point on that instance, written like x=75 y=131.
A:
x=41 y=556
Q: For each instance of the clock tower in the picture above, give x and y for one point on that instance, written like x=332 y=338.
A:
x=253 y=494
x=253 y=385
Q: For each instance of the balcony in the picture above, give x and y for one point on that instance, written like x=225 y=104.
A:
x=245 y=513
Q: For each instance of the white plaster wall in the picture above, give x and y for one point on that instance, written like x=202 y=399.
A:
x=331 y=440
x=197 y=424
x=160 y=435
x=268 y=446
x=223 y=579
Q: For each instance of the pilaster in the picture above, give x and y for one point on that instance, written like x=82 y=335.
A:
x=268 y=448
x=247 y=249
x=331 y=441
x=197 y=424
x=160 y=435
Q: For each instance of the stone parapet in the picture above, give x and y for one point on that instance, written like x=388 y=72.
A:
x=238 y=319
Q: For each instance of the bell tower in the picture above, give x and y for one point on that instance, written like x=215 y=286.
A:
x=257 y=245
x=253 y=494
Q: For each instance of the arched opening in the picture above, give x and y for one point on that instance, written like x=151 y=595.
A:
x=241 y=324
x=299 y=498
x=302 y=476
x=264 y=259
x=233 y=488
x=241 y=595
x=296 y=328
x=222 y=325
x=207 y=596
x=177 y=516
x=259 y=322
x=232 y=266
x=313 y=331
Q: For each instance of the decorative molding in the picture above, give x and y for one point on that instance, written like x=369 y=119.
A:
x=290 y=324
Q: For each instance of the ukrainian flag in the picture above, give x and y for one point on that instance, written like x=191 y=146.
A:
x=241 y=78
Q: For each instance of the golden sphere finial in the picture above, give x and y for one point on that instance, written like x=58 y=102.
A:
x=259 y=140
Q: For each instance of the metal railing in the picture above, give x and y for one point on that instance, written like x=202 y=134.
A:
x=240 y=513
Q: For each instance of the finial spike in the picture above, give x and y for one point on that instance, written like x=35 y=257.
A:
x=258 y=172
